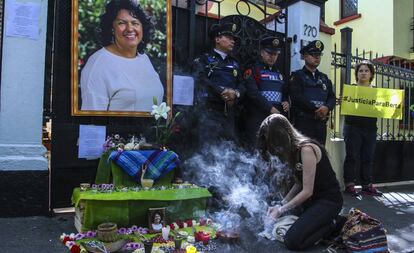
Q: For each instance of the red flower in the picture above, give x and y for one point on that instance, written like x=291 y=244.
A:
x=175 y=128
x=180 y=224
x=203 y=222
x=172 y=226
x=189 y=223
x=75 y=249
x=65 y=239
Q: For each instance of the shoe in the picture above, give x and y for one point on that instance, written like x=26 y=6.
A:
x=350 y=189
x=371 y=190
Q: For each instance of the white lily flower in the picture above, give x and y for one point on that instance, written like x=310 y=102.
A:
x=160 y=110
x=129 y=146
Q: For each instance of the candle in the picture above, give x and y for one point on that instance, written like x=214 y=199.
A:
x=205 y=237
x=190 y=249
x=165 y=232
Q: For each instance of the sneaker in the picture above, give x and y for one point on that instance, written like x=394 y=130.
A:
x=371 y=190
x=350 y=189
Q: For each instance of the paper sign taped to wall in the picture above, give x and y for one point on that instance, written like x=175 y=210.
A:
x=183 y=90
x=91 y=141
x=22 y=19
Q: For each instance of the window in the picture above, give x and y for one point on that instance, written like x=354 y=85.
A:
x=349 y=8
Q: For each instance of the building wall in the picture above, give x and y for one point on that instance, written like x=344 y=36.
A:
x=403 y=36
x=368 y=33
x=23 y=166
x=325 y=65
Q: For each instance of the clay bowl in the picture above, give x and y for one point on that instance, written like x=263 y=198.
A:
x=107 y=232
x=147 y=183
x=228 y=235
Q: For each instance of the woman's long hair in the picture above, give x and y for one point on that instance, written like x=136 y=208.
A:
x=135 y=9
x=278 y=137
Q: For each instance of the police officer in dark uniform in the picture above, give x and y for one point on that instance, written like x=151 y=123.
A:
x=219 y=86
x=311 y=94
x=268 y=92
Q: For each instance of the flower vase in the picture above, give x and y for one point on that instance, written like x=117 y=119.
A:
x=146 y=183
x=165 y=232
x=107 y=232
x=148 y=246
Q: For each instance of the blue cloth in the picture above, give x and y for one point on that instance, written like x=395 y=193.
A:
x=158 y=162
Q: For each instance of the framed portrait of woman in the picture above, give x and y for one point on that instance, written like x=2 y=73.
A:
x=156 y=219
x=121 y=61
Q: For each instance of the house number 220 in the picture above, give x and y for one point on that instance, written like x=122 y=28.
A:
x=310 y=31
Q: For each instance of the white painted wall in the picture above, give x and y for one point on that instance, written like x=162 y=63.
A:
x=301 y=16
x=22 y=89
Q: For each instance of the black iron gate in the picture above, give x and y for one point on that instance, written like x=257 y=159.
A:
x=190 y=38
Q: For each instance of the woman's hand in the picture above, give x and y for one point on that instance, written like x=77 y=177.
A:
x=285 y=105
x=274 y=212
x=228 y=94
x=322 y=112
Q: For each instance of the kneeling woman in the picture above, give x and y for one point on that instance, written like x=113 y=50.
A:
x=316 y=189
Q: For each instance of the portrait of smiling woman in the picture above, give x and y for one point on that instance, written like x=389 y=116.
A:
x=119 y=77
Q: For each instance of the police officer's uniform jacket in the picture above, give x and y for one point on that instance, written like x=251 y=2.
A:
x=265 y=88
x=310 y=91
x=214 y=74
x=271 y=86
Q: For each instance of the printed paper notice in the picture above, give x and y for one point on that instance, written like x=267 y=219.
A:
x=183 y=90
x=22 y=19
x=91 y=140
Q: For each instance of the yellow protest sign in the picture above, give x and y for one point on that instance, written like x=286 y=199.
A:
x=372 y=102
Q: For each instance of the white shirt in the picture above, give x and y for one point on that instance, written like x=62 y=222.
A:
x=221 y=53
x=113 y=83
x=156 y=227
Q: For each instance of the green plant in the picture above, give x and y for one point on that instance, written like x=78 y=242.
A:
x=165 y=126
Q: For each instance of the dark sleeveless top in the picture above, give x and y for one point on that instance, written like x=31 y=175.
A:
x=326 y=185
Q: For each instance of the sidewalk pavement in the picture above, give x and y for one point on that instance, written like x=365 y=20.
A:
x=395 y=209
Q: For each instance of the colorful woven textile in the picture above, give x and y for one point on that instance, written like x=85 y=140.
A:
x=363 y=234
x=158 y=162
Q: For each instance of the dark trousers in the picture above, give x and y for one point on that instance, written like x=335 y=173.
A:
x=315 y=129
x=360 y=148
x=313 y=224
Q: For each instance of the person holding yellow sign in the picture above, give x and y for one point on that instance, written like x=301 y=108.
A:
x=360 y=138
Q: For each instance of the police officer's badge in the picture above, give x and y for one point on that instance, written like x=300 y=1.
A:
x=234 y=72
x=275 y=42
x=318 y=44
x=280 y=77
x=324 y=86
x=233 y=28
x=247 y=74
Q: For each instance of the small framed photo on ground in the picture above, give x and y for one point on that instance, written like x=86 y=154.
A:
x=156 y=219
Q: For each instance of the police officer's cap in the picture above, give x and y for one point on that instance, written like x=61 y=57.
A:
x=228 y=29
x=313 y=47
x=271 y=45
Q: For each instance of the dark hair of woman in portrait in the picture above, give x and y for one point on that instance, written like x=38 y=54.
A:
x=111 y=12
x=316 y=189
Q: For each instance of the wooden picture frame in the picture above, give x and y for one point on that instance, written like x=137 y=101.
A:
x=85 y=41
x=156 y=219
